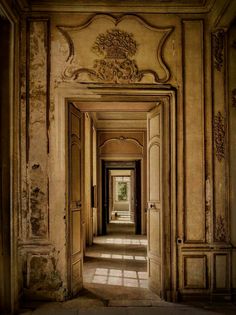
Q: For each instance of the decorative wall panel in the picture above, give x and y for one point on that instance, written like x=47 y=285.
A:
x=115 y=50
x=219 y=126
x=123 y=144
x=232 y=133
x=37 y=125
x=155 y=240
x=221 y=271
x=194 y=131
x=155 y=172
x=195 y=272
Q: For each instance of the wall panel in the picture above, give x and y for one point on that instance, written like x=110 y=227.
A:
x=195 y=271
x=37 y=125
x=221 y=271
x=194 y=218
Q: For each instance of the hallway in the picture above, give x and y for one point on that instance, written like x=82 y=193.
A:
x=115 y=282
x=115 y=267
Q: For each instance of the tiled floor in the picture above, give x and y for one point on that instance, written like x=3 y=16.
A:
x=116 y=265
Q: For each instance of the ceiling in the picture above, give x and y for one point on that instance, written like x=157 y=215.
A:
x=119 y=114
x=119 y=120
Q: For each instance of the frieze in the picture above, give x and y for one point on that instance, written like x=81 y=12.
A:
x=219 y=136
x=218 y=48
x=116 y=48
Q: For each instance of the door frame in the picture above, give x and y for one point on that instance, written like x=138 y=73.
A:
x=108 y=165
x=89 y=94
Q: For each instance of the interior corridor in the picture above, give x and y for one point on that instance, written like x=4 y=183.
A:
x=115 y=267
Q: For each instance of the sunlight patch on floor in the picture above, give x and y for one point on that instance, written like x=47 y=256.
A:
x=121 y=241
x=120 y=277
x=123 y=257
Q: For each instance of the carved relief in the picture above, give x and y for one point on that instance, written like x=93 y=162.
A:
x=208 y=208
x=116 y=47
x=219 y=136
x=234 y=98
x=220 y=231
x=218 y=48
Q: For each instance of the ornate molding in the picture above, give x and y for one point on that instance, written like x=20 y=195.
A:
x=218 y=48
x=234 y=98
x=219 y=136
x=117 y=47
x=220 y=231
x=122 y=138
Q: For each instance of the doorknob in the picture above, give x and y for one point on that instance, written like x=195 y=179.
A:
x=152 y=205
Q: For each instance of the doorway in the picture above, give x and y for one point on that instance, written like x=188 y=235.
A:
x=163 y=213
x=121 y=197
x=118 y=206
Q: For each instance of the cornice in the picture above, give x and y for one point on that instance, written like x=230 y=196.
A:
x=134 y=6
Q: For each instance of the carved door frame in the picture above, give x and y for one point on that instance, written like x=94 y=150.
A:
x=139 y=93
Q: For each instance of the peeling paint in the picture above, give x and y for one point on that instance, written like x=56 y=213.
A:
x=37 y=219
x=43 y=274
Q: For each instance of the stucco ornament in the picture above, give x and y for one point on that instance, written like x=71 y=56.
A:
x=117 y=47
x=219 y=136
x=218 y=48
x=124 y=57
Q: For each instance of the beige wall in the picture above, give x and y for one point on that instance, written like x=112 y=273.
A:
x=232 y=142
x=178 y=50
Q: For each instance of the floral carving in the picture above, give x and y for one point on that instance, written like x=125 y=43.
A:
x=219 y=136
x=218 y=48
x=234 y=98
x=116 y=71
x=220 y=231
x=115 y=49
x=115 y=44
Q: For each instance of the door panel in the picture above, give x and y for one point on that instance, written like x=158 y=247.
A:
x=155 y=209
x=75 y=251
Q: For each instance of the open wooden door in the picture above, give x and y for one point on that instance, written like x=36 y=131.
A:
x=75 y=250
x=155 y=199
x=138 y=193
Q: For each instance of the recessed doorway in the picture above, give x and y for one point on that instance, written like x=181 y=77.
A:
x=160 y=207
x=121 y=194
